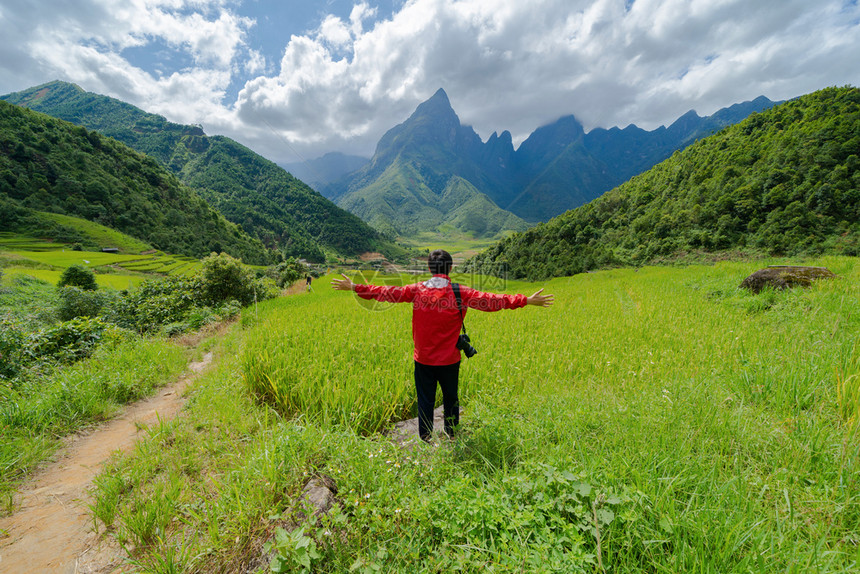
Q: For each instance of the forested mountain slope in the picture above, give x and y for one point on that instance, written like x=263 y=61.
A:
x=784 y=181
x=424 y=177
x=51 y=165
x=558 y=167
x=247 y=189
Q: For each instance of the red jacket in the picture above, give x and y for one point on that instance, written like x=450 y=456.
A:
x=435 y=318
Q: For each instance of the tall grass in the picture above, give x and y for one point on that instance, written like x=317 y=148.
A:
x=685 y=424
x=333 y=361
x=37 y=412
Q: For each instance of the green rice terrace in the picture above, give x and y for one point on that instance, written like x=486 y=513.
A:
x=658 y=419
x=21 y=253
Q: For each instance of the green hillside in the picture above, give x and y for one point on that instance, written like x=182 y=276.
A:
x=49 y=165
x=784 y=182
x=400 y=202
x=247 y=189
x=424 y=178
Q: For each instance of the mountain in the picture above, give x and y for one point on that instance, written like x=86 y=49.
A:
x=268 y=202
x=327 y=169
x=785 y=181
x=558 y=167
x=425 y=176
x=49 y=165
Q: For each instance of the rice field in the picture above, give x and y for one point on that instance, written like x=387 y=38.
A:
x=113 y=281
x=60 y=257
x=652 y=420
x=733 y=412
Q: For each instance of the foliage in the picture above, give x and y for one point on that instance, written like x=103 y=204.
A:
x=224 y=278
x=221 y=286
x=37 y=411
x=654 y=420
x=293 y=551
x=288 y=272
x=78 y=276
x=258 y=196
x=77 y=302
x=48 y=165
x=68 y=341
x=154 y=303
x=12 y=340
x=782 y=182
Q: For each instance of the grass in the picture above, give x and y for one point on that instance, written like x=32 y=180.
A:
x=46 y=260
x=99 y=234
x=67 y=257
x=36 y=413
x=459 y=245
x=690 y=425
x=113 y=281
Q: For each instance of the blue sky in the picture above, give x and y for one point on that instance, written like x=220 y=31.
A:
x=296 y=79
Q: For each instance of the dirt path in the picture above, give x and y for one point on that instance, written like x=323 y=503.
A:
x=52 y=530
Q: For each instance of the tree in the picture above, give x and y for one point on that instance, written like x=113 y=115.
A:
x=78 y=276
x=226 y=278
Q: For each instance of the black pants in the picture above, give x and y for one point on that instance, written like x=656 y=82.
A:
x=426 y=377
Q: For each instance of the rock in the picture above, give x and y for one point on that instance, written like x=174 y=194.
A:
x=785 y=276
x=319 y=493
x=405 y=433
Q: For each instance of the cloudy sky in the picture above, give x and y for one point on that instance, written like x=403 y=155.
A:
x=294 y=79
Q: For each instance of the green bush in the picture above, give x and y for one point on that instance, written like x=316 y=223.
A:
x=11 y=345
x=66 y=342
x=77 y=302
x=174 y=329
x=225 y=278
x=78 y=276
x=288 y=272
x=154 y=303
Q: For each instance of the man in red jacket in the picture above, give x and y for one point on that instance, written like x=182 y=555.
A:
x=436 y=323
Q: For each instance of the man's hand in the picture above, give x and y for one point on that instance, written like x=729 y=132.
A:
x=344 y=284
x=540 y=300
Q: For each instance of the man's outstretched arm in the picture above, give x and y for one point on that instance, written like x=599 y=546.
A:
x=391 y=294
x=344 y=284
x=540 y=300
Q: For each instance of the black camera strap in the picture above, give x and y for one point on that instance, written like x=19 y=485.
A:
x=456 y=288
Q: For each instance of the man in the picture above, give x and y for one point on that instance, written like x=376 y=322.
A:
x=436 y=323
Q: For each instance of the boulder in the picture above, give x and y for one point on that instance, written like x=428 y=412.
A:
x=318 y=495
x=785 y=276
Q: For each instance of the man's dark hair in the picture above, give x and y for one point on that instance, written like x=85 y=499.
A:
x=440 y=261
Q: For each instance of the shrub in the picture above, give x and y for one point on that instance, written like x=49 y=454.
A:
x=174 y=329
x=11 y=345
x=265 y=288
x=68 y=341
x=156 y=302
x=288 y=272
x=225 y=278
x=77 y=302
x=78 y=276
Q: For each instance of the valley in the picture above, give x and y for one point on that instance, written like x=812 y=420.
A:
x=658 y=418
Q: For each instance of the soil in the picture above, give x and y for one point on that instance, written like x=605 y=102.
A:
x=52 y=530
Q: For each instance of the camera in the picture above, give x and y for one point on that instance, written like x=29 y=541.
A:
x=464 y=344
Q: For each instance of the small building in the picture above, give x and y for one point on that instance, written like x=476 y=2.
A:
x=110 y=250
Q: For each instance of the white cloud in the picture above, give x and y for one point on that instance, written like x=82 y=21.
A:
x=505 y=64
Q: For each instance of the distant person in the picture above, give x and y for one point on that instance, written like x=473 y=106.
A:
x=308 y=282
x=436 y=324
